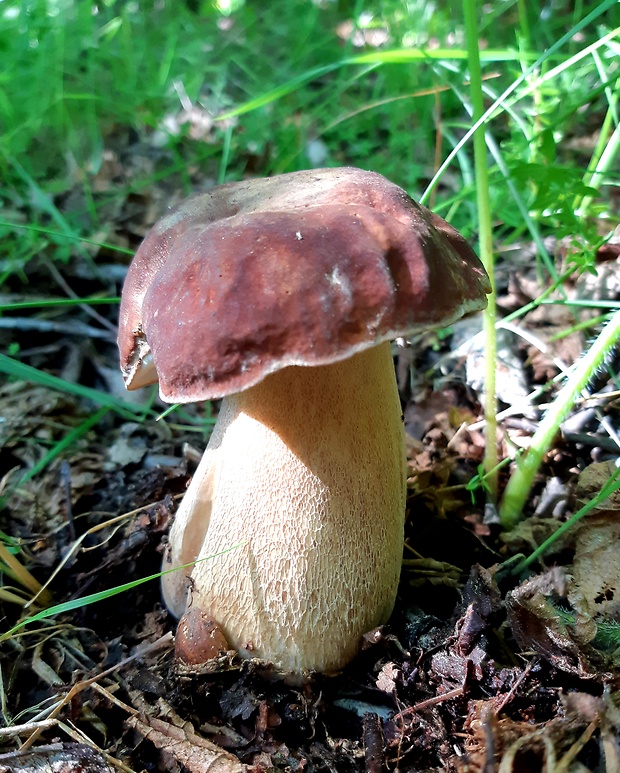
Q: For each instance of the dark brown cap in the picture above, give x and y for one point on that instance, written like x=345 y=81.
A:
x=305 y=269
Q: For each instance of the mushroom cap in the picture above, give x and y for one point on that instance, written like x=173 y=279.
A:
x=306 y=268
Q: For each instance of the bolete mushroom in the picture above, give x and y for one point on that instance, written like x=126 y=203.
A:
x=281 y=296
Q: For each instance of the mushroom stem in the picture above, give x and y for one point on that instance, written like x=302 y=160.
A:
x=307 y=470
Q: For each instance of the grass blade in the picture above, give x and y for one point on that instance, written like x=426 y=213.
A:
x=20 y=370
x=68 y=606
x=521 y=480
x=491 y=457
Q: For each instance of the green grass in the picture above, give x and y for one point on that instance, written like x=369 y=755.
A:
x=608 y=489
x=93 y=598
x=521 y=148
x=271 y=84
x=485 y=241
x=84 y=75
x=520 y=483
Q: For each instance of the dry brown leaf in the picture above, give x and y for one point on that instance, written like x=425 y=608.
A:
x=592 y=480
x=191 y=750
x=537 y=626
x=388 y=677
x=596 y=567
x=530 y=534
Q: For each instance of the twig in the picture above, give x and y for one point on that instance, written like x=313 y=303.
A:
x=374 y=743
x=113 y=699
x=27 y=727
x=74 y=327
x=163 y=641
x=118 y=519
x=457 y=693
x=80 y=737
x=564 y=764
x=511 y=693
x=58 y=277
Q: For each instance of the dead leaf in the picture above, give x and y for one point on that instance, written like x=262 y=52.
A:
x=183 y=744
x=592 y=480
x=596 y=566
x=538 y=626
x=388 y=677
x=530 y=533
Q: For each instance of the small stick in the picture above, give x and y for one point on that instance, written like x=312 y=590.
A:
x=74 y=327
x=431 y=702
x=164 y=640
x=564 y=764
x=511 y=693
x=72 y=294
x=27 y=727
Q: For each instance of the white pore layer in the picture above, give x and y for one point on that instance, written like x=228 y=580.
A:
x=307 y=470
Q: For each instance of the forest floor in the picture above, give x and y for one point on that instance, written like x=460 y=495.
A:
x=481 y=667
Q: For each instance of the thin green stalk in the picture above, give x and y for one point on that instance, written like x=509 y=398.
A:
x=521 y=480
x=46 y=205
x=610 y=487
x=495 y=151
x=23 y=372
x=611 y=92
x=55 y=302
x=491 y=458
x=68 y=606
x=67 y=441
x=375 y=59
x=64 y=235
x=221 y=177
x=605 y=162
x=523 y=22
x=499 y=105
x=593 y=166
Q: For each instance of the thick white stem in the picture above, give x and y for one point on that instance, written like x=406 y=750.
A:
x=307 y=469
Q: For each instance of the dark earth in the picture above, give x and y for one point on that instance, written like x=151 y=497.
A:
x=484 y=665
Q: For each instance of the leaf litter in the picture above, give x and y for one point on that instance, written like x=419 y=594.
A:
x=480 y=668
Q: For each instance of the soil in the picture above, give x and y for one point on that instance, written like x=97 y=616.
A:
x=480 y=668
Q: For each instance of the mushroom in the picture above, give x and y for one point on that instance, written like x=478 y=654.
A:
x=281 y=296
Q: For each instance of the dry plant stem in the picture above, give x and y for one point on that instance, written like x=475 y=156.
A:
x=59 y=278
x=79 y=736
x=515 y=687
x=74 y=327
x=521 y=480
x=13 y=598
x=21 y=574
x=565 y=763
x=447 y=696
x=28 y=727
x=491 y=458
x=163 y=641
x=307 y=470
x=507 y=765
x=118 y=519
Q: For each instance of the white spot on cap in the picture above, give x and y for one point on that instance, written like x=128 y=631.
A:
x=337 y=280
